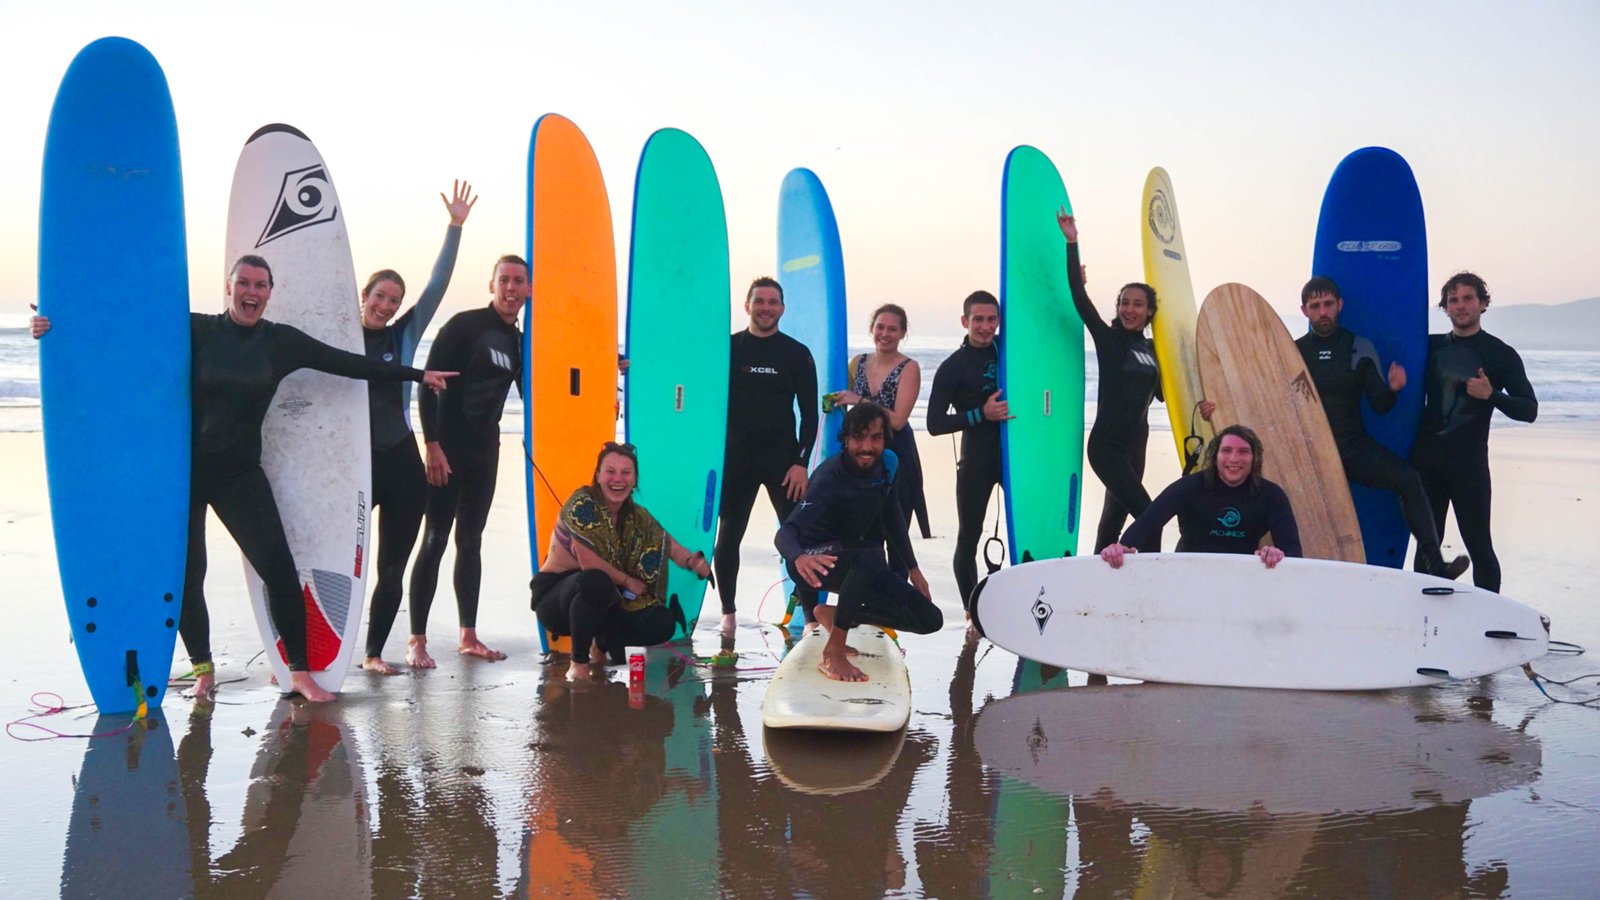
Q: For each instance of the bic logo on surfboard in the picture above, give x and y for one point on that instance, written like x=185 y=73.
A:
x=1042 y=611
x=305 y=199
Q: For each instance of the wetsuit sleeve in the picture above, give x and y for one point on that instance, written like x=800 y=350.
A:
x=1515 y=397
x=1080 y=295
x=448 y=355
x=941 y=419
x=418 y=317
x=817 y=499
x=896 y=532
x=1373 y=383
x=298 y=350
x=1280 y=513
x=805 y=395
x=1160 y=511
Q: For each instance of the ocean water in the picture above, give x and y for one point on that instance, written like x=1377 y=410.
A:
x=1567 y=382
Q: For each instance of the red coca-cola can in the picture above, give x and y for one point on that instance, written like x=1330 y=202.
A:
x=636 y=667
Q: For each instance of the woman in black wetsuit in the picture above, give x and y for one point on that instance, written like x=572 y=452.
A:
x=399 y=484
x=237 y=359
x=1129 y=380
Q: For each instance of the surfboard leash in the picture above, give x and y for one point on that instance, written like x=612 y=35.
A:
x=59 y=706
x=993 y=540
x=1564 y=648
x=1191 y=453
x=528 y=452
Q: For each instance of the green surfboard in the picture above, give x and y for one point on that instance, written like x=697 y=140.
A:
x=1041 y=364
x=678 y=329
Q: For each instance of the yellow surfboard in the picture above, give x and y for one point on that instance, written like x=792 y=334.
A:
x=569 y=326
x=1166 y=268
x=1252 y=370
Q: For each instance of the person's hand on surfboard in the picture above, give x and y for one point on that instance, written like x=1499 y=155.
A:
x=435 y=380
x=1069 y=227
x=38 y=324
x=1397 y=377
x=460 y=204
x=697 y=564
x=1207 y=407
x=1114 y=552
x=1270 y=555
x=438 y=466
x=795 y=481
x=997 y=410
x=812 y=568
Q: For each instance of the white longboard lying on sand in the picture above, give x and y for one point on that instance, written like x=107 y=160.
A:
x=802 y=697
x=1227 y=620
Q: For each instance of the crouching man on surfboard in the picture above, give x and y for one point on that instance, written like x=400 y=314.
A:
x=835 y=541
x=1226 y=507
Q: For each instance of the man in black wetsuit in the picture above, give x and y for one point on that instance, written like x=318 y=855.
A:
x=966 y=398
x=1344 y=367
x=835 y=540
x=771 y=373
x=462 y=431
x=1470 y=374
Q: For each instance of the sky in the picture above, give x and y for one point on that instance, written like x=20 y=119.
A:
x=905 y=110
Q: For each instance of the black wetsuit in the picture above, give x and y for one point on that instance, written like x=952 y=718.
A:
x=1452 y=450
x=234 y=375
x=769 y=377
x=399 y=482
x=1216 y=518
x=852 y=515
x=1129 y=380
x=1344 y=367
x=961 y=385
x=465 y=421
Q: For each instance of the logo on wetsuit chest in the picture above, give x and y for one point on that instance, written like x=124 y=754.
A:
x=1229 y=520
x=759 y=370
x=500 y=358
x=1324 y=355
x=305 y=199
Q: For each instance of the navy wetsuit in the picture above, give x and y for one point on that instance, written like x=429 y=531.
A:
x=234 y=376
x=1216 y=518
x=1452 y=450
x=399 y=482
x=961 y=385
x=465 y=421
x=852 y=515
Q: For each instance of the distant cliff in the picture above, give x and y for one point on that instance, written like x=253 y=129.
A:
x=1531 y=326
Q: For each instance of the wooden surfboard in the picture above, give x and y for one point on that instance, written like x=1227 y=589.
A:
x=569 y=329
x=1166 y=268
x=1250 y=367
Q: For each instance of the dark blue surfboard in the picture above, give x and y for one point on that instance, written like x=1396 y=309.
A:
x=1372 y=241
x=114 y=369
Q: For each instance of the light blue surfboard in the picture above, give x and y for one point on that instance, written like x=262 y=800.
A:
x=1372 y=241
x=811 y=270
x=114 y=369
x=678 y=331
x=1041 y=364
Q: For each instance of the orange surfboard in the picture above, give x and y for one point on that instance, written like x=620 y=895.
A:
x=569 y=327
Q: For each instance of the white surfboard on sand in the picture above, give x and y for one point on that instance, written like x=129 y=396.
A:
x=1197 y=618
x=1282 y=751
x=316 y=444
x=802 y=697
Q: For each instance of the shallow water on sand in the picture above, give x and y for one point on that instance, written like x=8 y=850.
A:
x=481 y=779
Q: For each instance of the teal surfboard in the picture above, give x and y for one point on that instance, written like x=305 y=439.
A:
x=1029 y=854
x=677 y=340
x=114 y=370
x=1041 y=364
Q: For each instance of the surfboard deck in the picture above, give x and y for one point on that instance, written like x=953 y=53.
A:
x=1373 y=241
x=1041 y=364
x=117 y=460
x=1227 y=620
x=1166 y=268
x=316 y=444
x=569 y=331
x=1251 y=369
x=802 y=697
x=678 y=333
x=1284 y=752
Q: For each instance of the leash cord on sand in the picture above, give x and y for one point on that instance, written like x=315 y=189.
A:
x=1539 y=681
x=53 y=709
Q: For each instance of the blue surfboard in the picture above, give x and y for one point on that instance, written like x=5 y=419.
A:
x=114 y=370
x=811 y=270
x=1372 y=241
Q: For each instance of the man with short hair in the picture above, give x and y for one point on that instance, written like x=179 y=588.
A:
x=1470 y=374
x=771 y=373
x=1344 y=367
x=966 y=398
x=462 y=431
x=835 y=540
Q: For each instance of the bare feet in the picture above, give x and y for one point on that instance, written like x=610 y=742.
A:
x=417 y=653
x=728 y=623
x=301 y=683
x=374 y=664
x=471 y=646
x=836 y=662
x=578 y=671
x=825 y=619
x=204 y=687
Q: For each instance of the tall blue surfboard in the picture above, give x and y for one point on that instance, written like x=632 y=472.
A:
x=678 y=330
x=811 y=270
x=1372 y=241
x=114 y=369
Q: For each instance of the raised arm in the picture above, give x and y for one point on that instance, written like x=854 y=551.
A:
x=1080 y=292
x=417 y=319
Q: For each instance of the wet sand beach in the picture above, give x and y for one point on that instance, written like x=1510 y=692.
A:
x=497 y=779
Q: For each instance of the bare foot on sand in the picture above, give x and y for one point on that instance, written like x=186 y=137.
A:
x=374 y=664
x=728 y=623
x=471 y=646
x=417 y=653
x=301 y=683
x=580 y=671
x=204 y=687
